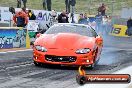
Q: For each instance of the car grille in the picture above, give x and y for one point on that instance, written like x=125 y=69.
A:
x=60 y=58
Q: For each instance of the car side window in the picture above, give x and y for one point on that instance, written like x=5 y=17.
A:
x=94 y=34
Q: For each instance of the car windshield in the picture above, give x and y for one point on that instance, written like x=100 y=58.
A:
x=77 y=29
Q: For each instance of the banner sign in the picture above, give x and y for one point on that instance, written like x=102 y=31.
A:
x=47 y=19
x=5 y=15
x=12 y=38
x=33 y=26
x=119 y=30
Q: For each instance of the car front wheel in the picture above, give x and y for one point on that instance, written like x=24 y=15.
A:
x=92 y=66
x=37 y=63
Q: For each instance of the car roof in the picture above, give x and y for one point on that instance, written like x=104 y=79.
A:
x=74 y=24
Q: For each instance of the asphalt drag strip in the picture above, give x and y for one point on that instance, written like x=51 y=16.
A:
x=18 y=71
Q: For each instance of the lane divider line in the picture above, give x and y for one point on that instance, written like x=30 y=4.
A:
x=13 y=51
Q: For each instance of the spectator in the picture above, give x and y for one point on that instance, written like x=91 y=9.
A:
x=102 y=9
x=54 y=14
x=40 y=19
x=67 y=14
x=67 y=3
x=31 y=15
x=18 y=3
x=83 y=19
x=104 y=25
x=129 y=26
x=98 y=20
x=104 y=20
x=12 y=10
x=44 y=4
x=49 y=5
x=129 y=23
x=63 y=18
x=109 y=24
x=85 y=16
x=20 y=19
x=24 y=3
x=24 y=10
x=40 y=16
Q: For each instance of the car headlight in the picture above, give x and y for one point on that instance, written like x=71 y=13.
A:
x=40 y=48
x=83 y=51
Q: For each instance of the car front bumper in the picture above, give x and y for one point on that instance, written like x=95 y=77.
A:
x=60 y=57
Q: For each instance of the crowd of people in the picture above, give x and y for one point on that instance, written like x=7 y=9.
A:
x=22 y=17
x=103 y=22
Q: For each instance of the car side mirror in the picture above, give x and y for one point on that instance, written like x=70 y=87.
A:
x=99 y=34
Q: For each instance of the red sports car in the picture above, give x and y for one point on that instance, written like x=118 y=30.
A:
x=68 y=44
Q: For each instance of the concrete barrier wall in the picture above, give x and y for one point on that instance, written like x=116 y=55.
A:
x=14 y=38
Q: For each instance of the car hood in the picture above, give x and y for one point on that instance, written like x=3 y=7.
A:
x=65 y=41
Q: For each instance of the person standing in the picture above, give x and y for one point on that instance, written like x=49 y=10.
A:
x=129 y=23
x=54 y=14
x=24 y=3
x=20 y=19
x=104 y=25
x=102 y=9
x=31 y=15
x=40 y=16
x=129 y=27
x=73 y=3
x=44 y=4
x=63 y=18
x=18 y=3
x=24 y=10
x=67 y=3
x=49 y=5
x=98 y=20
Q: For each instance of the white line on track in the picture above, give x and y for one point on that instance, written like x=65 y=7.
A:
x=13 y=51
x=109 y=48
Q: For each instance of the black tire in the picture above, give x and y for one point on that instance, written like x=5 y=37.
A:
x=36 y=63
x=95 y=62
x=81 y=80
x=91 y=66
